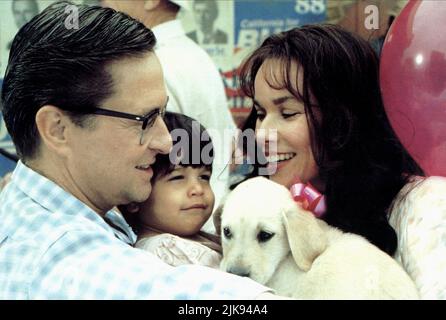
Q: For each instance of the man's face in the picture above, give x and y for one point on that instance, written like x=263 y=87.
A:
x=205 y=15
x=24 y=11
x=108 y=163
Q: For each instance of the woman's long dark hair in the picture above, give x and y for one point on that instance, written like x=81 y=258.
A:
x=360 y=159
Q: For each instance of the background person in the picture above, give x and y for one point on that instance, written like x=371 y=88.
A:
x=23 y=11
x=205 y=13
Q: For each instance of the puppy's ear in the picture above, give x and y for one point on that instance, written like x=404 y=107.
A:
x=217 y=219
x=216 y=216
x=306 y=238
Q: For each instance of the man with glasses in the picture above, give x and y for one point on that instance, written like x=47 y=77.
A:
x=192 y=79
x=84 y=108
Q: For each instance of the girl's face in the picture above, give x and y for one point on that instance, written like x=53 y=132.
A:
x=280 y=110
x=180 y=202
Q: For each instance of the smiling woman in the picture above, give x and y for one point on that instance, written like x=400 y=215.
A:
x=278 y=108
x=317 y=87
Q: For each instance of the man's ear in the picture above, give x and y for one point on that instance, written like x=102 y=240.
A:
x=306 y=238
x=150 y=5
x=52 y=123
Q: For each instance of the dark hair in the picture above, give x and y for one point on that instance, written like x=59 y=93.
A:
x=50 y=63
x=191 y=155
x=360 y=159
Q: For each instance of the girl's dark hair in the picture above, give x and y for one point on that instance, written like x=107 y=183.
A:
x=360 y=159
x=189 y=137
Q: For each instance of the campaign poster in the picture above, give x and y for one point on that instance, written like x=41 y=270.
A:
x=254 y=20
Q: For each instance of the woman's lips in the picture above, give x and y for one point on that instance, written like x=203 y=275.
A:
x=273 y=167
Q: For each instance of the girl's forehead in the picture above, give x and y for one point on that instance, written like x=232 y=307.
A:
x=180 y=167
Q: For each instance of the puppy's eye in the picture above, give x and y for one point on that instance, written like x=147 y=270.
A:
x=264 y=236
x=227 y=232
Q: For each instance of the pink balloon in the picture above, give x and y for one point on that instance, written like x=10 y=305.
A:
x=413 y=82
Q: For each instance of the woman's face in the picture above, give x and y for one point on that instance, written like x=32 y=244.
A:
x=280 y=110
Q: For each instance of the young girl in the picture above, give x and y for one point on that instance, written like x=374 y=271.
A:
x=168 y=223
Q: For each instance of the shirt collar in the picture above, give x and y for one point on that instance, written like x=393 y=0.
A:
x=168 y=30
x=55 y=199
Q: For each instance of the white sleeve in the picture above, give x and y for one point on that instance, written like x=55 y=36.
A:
x=419 y=218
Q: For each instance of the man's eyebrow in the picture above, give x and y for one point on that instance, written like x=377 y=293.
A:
x=156 y=108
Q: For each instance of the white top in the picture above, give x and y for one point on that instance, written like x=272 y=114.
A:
x=195 y=88
x=177 y=251
x=419 y=218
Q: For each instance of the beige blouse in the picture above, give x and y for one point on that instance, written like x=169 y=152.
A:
x=177 y=251
x=418 y=215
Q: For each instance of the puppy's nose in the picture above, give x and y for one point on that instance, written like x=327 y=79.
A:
x=242 y=272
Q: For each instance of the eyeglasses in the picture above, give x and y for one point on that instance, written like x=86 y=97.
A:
x=147 y=121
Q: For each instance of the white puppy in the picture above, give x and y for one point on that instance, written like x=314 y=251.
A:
x=268 y=237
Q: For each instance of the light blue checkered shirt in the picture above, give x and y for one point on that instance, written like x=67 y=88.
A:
x=52 y=246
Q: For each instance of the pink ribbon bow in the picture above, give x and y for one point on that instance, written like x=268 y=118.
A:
x=309 y=197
